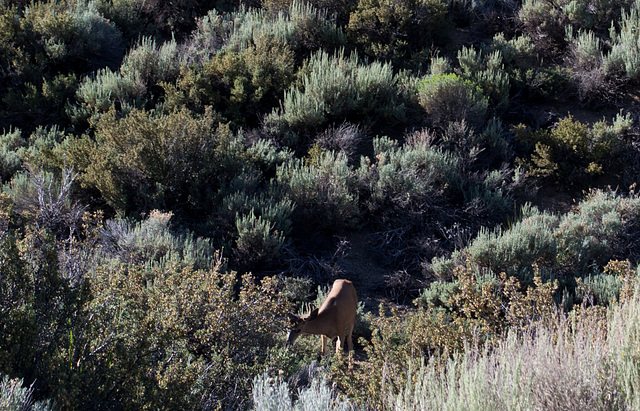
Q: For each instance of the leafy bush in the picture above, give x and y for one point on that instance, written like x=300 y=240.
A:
x=573 y=149
x=448 y=97
x=241 y=84
x=141 y=162
x=172 y=337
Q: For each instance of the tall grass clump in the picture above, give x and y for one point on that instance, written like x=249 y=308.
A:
x=624 y=337
x=15 y=397
x=336 y=88
x=551 y=367
x=269 y=395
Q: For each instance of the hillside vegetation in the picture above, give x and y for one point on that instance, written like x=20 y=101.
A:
x=176 y=177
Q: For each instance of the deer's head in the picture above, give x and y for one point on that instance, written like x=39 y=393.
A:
x=297 y=325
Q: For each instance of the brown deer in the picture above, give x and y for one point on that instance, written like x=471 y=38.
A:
x=335 y=318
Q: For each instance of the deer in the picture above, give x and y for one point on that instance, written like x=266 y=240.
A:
x=335 y=318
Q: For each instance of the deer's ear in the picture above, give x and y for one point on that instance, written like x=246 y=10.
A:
x=312 y=315
x=293 y=318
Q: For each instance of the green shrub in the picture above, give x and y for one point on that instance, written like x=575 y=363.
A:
x=595 y=82
x=239 y=84
x=575 y=244
x=517 y=52
x=408 y=174
x=572 y=149
x=599 y=289
x=625 y=52
x=323 y=189
x=545 y=22
x=487 y=71
x=397 y=30
x=302 y=27
x=258 y=241
x=144 y=68
x=595 y=232
x=11 y=145
x=151 y=243
x=448 y=97
x=333 y=89
x=141 y=162
x=514 y=251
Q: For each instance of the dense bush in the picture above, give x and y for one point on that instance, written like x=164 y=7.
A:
x=141 y=162
x=578 y=243
x=239 y=84
x=46 y=45
x=334 y=89
x=448 y=97
x=400 y=31
x=573 y=150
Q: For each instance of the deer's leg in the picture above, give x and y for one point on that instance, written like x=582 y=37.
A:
x=339 y=344
x=349 y=339
x=323 y=339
